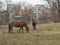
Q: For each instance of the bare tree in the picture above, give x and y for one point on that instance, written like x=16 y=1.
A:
x=0 y=4
x=58 y=1
x=7 y=16
x=17 y=8
x=28 y=12
x=54 y=9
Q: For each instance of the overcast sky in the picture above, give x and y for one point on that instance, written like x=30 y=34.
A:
x=31 y=1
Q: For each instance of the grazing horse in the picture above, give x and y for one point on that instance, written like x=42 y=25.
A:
x=34 y=24
x=18 y=23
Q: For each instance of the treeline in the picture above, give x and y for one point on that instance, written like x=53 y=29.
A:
x=43 y=13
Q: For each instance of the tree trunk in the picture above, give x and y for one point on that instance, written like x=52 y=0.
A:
x=59 y=10
x=7 y=16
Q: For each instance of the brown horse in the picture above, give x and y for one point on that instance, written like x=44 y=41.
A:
x=18 y=23
x=34 y=24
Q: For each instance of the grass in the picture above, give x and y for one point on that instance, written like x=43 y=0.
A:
x=46 y=34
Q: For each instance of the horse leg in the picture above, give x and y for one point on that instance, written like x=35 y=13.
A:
x=34 y=27
x=27 y=29
x=10 y=28
x=19 y=29
x=22 y=29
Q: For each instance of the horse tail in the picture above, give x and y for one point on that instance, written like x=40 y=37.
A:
x=9 y=27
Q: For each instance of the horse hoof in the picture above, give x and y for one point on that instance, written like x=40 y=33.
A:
x=18 y=32
x=22 y=32
x=12 y=32
x=27 y=32
x=9 y=32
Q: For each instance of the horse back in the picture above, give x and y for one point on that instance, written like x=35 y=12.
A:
x=18 y=23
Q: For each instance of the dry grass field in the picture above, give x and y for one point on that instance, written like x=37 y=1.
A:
x=45 y=34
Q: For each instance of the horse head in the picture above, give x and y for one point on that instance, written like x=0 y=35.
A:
x=27 y=29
